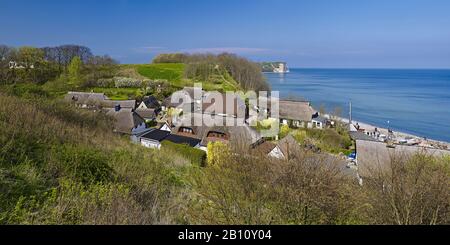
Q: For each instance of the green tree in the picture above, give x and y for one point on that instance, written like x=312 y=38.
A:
x=74 y=70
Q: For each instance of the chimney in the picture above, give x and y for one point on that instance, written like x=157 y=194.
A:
x=117 y=107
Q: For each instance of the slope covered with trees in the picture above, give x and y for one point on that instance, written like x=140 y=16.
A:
x=219 y=68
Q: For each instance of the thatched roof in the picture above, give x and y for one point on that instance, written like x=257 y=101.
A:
x=146 y=113
x=265 y=147
x=295 y=110
x=373 y=155
x=288 y=145
x=85 y=98
x=237 y=130
x=123 y=103
x=125 y=119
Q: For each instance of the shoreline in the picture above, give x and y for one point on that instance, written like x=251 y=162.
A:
x=423 y=141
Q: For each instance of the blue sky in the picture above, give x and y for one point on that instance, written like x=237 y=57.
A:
x=319 y=33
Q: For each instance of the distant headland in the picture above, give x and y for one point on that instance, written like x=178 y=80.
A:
x=276 y=67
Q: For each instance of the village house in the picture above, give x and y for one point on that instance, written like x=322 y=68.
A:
x=293 y=113
x=296 y=113
x=126 y=120
x=90 y=100
x=149 y=102
x=319 y=121
x=147 y=114
x=372 y=154
x=155 y=137
x=215 y=130
x=130 y=104
x=149 y=108
x=283 y=149
x=85 y=99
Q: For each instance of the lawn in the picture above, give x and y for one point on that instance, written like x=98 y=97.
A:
x=118 y=93
x=170 y=71
x=173 y=72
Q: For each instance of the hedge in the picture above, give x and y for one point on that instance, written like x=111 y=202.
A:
x=194 y=155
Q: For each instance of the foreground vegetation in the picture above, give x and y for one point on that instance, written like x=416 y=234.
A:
x=60 y=165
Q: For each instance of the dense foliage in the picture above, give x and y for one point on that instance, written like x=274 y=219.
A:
x=195 y=156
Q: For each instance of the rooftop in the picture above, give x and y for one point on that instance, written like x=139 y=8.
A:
x=295 y=110
x=178 y=139
x=156 y=134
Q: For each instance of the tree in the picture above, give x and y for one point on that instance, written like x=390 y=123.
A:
x=33 y=66
x=410 y=189
x=209 y=66
x=5 y=57
x=74 y=69
x=63 y=55
x=322 y=109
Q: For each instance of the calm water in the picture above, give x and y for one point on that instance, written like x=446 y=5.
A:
x=414 y=101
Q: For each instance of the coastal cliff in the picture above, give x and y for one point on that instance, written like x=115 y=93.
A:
x=278 y=67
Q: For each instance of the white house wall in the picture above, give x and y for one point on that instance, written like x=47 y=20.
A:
x=151 y=143
x=277 y=153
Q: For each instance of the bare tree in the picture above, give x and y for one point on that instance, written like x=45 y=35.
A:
x=410 y=190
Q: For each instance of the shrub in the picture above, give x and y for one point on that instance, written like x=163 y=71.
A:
x=217 y=153
x=105 y=83
x=26 y=90
x=85 y=164
x=126 y=82
x=409 y=190
x=284 y=130
x=194 y=155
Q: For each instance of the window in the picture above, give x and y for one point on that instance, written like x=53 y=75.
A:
x=186 y=130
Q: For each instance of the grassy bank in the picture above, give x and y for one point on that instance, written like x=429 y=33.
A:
x=63 y=166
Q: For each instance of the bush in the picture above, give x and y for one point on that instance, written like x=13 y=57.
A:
x=195 y=156
x=105 y=83
x=84 y=164
x=26 y=90
x=217 y=153
x=284 y=131
x=126 y=82
x=170 y=58
x=330 y=140
x=409 y=190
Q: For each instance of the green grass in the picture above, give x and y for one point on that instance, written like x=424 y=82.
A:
x=170 y=71
x=173 y=72
x=59 y=165
x=118 y=93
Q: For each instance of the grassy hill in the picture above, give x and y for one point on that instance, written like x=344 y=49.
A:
x=59 y=165
x=174 y=74
x=169 y=71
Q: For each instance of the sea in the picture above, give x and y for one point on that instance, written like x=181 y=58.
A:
x=406 y=100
